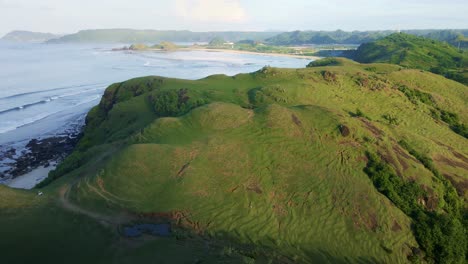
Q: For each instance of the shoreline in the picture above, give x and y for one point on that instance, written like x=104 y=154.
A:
x=253 y=53
x=29 y=180
x=26 y=166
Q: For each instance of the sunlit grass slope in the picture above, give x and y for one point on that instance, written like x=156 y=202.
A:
x=276 y=160
x=263 y=158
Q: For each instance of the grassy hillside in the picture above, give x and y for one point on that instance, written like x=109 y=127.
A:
x=338 y=162
x=416 y=52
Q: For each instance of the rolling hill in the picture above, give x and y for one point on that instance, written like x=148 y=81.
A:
x=339 y=162
x=416 y=52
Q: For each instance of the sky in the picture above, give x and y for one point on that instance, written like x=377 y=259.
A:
x=69 y=16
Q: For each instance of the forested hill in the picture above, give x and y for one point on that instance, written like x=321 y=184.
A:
x=416 y=52
x=152 y=36
x=454 y=37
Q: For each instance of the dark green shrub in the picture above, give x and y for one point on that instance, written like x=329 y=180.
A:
x=174 y=102
x=453 y=121
x=416 y=96
x=325 y=62
x=443 y=235
x=391 y=119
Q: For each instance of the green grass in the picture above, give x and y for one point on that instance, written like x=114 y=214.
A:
x=259 y=165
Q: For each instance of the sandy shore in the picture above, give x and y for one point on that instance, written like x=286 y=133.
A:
x=231 y=51
x=252 y=53
x=30 y=179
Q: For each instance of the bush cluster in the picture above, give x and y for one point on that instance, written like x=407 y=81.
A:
x=442 y=235
x=174 y=102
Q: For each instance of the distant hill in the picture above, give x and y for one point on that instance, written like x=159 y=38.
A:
x=326 y=37
x=454 y=37
x=28 y=36
x=155 y=36
x=416 y=52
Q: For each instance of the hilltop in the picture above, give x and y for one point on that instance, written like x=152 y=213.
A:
x=338 y=162
x=28 y=36
x=416 y=52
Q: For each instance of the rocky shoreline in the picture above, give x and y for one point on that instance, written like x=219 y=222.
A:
x=38 y=152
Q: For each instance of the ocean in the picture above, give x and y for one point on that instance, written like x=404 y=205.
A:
x=47 y=89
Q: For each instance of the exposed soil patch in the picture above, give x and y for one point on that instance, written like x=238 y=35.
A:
x=451 y=162
x=388 y=158
x=460 y=156
x=455 y=153
x=255 y=187
x=400 y=152
x=373 y=129
x=362 y=159
x=461 y=186
x=396 y=226
x=431 y=201
x=402 y=162
x=182 y=170
x=296 y=120
x=372 y=222
x=234 y=189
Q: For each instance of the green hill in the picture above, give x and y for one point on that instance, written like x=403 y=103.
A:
x=338 y=162
x=416 y=52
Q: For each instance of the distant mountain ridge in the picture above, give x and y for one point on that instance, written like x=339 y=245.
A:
x=152 y=36
x=456 y=37
x=28 y=36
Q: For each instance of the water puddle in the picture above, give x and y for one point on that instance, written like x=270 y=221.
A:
x=163 y=230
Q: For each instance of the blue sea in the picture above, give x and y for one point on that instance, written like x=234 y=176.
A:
x=46 y=89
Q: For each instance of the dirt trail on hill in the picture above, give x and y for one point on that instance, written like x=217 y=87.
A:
x=105 y=219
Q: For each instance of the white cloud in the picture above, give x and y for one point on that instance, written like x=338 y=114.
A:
x=211 y=10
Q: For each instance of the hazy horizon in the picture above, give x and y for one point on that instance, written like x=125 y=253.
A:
x=70 y=16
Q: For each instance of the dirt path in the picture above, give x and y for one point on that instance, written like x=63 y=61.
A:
x=107 y=219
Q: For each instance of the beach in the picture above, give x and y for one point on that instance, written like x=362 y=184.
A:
x=296 y=56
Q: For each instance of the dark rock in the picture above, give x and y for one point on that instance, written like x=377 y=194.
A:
x=344 y=130
x=40 y=152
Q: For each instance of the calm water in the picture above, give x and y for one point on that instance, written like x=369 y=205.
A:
x=47 y=89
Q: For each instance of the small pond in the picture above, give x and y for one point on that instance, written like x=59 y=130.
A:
x=137 y=230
